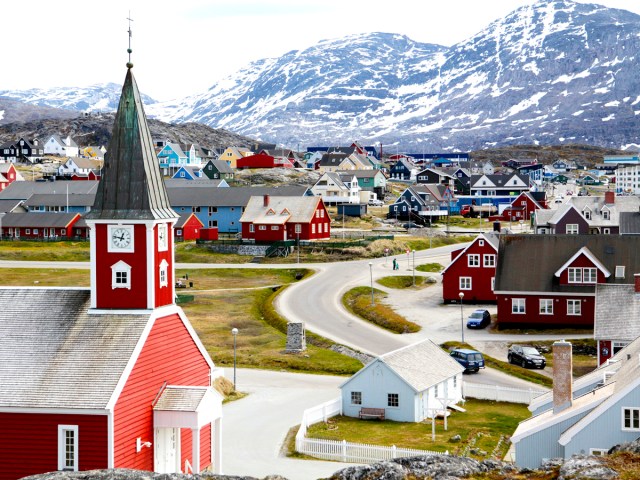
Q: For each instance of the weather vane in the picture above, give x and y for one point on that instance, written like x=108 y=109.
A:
x=129 y=64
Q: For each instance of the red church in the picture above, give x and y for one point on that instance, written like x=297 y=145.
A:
x=113 y=376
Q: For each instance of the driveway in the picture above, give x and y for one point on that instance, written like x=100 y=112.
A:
x=254 y=428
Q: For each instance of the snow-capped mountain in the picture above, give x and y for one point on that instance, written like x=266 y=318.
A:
x=95 y=98
x=550 y=73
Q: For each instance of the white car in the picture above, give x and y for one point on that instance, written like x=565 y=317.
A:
x=376 y=203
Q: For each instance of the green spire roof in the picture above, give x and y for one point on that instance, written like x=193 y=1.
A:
x=131 y=187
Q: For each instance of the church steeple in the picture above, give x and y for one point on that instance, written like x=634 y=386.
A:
x=131 y=187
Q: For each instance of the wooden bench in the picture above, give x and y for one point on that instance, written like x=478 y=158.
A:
x=372 y=413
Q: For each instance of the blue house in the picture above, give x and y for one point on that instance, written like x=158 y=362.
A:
x=402 y=170
x=583 y=417
x=421 y=203
x=188 y=173
x=411 y=384
x=171 y=157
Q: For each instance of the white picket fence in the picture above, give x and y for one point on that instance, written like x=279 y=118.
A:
x=499 y=394
x=344 y=451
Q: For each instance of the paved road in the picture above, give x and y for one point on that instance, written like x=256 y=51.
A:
x=254 y=428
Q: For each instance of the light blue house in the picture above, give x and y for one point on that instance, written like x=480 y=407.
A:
x=607 y=413
x=171 y=157
x=412 y=383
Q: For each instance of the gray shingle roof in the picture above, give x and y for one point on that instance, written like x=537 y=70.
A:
x=180 y=399
x=53 y=354
x=37 y=219
x=284 y=209
x=543 y=255
x=617 y=313
x=422 y=364
x=227 y=197
x=629 y=223
x=24 y=190
x=60 y=199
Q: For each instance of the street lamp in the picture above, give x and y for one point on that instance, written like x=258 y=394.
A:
x=461 y=317
x=234 y=332
x=371 y=274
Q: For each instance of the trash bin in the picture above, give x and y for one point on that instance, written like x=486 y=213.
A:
x=190 y=284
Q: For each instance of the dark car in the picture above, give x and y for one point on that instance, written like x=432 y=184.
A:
x=479 y=319
x=471 y=360
x=411 y=225
x=526 y=356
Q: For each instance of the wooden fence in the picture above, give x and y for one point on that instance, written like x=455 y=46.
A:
x=341 y=450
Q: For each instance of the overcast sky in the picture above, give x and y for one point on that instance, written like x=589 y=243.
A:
x=181 y=47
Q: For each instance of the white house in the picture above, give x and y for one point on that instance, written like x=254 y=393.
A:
x=58 y=146
x=606 y=414
x=412 y=383
x=80 y=166
x=334 y=187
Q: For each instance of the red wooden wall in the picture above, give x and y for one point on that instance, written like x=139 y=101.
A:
x=480 y=276
x=169 y=355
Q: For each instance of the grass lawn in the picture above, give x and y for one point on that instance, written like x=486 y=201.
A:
x=481 y=427
x=45 y=277
x=430 y=267
x=358 y=301
x=404 y=281
x=44 y=251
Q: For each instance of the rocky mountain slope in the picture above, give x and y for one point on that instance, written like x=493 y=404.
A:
x=554 y=72
x=16 y=111
x=96 y=129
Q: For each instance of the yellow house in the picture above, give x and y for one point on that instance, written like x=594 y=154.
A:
x=93 y=151
x=232 y=154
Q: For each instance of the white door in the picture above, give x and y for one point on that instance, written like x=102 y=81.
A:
x=167 y=453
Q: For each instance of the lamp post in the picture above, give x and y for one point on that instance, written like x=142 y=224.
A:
x=371 y=275
x=234 y=332
x=461 y=317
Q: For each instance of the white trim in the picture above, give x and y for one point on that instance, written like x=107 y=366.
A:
x=93 y=278
x=120 y=267
x=632 y=409
x=55 y=411
x=111 y=248
x=587 y=253
x=555 y=294
x=62 y=444
x=163 y=269
x=467 y=248
x=110 y=440
x=152 y=273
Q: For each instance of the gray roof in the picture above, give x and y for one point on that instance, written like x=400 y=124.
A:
x=596 y=204
x=180 y=399
x=61 y=199
x=361 y=173
x=131 y=187
x=422 y=364
x=196 y=182
x=24 y=190
x=629 y=223
x=283 y=209
x=86 y=163
x=332 y=159
x=221 y=166
x=53 y=354
x=38 y=220
x=617 y=312
x=10 y=206
x=543 y=255
x=227 y=197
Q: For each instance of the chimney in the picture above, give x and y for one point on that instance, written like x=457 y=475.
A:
x=562 y=376
x=266 y=200
x=636 y=279
x=609 y=198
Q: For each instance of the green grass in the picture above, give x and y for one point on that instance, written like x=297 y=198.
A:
x=45 y=277
x=421 y=243
x=483 y=424
x=403 y=281
x=69 y=251
x=430 y=267
x=358 y=301
x=513 y=370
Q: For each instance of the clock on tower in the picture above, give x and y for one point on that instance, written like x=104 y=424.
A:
x=131 y=221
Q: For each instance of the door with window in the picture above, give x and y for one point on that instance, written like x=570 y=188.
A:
x=167 y=454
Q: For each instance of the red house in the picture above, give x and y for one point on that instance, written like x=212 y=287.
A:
x=188 y=227
x=34 y=225
x=521 y=208
x=472 y=272
x=263 y=160
x=550 y=280
x=113 y=376
x=8 y=175
x=271 y=219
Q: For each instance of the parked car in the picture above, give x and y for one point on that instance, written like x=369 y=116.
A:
x=526 y=356
x=374 y=202
x=471 y=360
x=411 y=225
x=479 y=319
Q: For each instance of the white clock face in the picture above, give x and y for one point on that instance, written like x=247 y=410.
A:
x=121 y=238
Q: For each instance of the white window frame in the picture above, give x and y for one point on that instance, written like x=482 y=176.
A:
x=62 y=451
x=356 y=398
x=252 y=228
x=116 y=270
x=546 y=306
x=275 y=227
x=634 y=417
x=572 y=229
x=590 y=275
x=574 y=275
x=262 y=227
x=465 y=283
x=574 y=307
x=473 y=260
x=489 y=260
x=598 y=452
x=393 y=398
x=163 y=273
x=298 y=228
x=518 y=306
